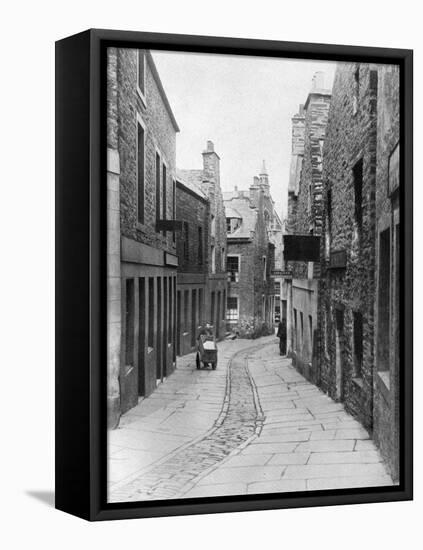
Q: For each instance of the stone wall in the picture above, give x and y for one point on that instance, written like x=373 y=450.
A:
x=349 y=290
x=208 y=180
x=387 y=375
x=194 y=211
x=253 y=286
x=305 y=202
x=160 y=136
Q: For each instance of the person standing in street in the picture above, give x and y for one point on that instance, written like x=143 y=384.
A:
x=281 y=334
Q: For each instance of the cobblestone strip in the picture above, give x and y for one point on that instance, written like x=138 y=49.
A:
x=240 y=420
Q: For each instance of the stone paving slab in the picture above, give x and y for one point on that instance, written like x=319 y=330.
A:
x=253 y=426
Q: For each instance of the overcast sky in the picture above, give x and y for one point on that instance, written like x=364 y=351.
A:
x=244 y=105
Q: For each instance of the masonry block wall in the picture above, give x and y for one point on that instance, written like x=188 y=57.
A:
x=193 y=209
x=347 y=291
x=141 y=260
x=387 y=323
x=250 y=242
x=113 y=247
x=208 y=180
x=160 y=138
x=305 y=202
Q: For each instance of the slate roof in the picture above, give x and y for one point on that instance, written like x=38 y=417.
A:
x=243 y=208
x=190 y=184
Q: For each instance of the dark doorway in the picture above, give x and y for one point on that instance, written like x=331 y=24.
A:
x=173 y=320
x=165 y=323
x=217 y=331
x=213 y=305
x=178 y=323
x=339 y=353
x=193 y=318
x=141 y=332
x=159 y=335
x=129 y=324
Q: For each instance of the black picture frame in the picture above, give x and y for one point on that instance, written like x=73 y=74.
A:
x=81 y=268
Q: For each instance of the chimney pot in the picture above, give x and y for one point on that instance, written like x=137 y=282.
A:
x=210 y=146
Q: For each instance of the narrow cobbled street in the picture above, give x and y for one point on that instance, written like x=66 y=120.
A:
x=254 y=425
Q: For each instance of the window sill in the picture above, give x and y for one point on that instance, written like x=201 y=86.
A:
x=358 y=381
x=142 y=97
x=385 y=377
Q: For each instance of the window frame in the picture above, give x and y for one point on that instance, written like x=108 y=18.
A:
x=158 y=183
x=238 y=256
x=229 y=318
x=142 y=93
x=139 y=121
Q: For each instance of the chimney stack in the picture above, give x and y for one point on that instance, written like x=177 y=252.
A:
x=318 y=82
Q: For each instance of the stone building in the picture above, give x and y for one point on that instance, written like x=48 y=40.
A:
x=388 y=265
x=304 y=226
x=142 y=261
x=347 y=293
x=207 y=180
x=250 y=217
x=193 y=210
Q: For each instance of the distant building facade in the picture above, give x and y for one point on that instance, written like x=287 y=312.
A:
x=386 y=382
x=250 y=217
x=305 y=212
x=347 y=293
x=208 y=180
x=142 y=261
x=193 y=210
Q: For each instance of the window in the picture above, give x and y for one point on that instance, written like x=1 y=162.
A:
x=277 y=288
x=157 y=187
x=232 y=308
x=264 y=260
x=224 y=304
x=309 y=199
x=232 y=224
x=141 y=73
x=151 y=309
x=356 y=89
x=358 y=200
x=140 y=171
x=232 y=267
x=185 y=231
x=213 y=259
x=200 y=245
x=328 y=223
x=358 y=343
x=213 y=226
x=223 y=259
x=164 y=193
